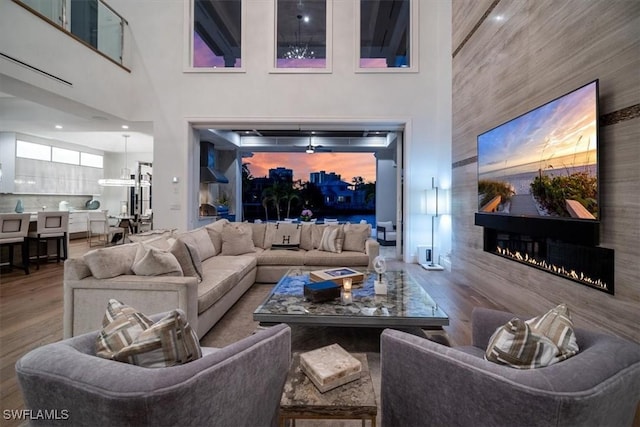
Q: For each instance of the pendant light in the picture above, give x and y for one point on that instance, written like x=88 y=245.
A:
x=125 y=179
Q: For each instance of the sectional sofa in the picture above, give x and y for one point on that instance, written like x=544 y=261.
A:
x=203 y=271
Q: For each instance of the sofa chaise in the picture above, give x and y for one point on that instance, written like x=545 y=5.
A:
x=218 y=263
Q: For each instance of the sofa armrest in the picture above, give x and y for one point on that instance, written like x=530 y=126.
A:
x=85 y=300
x=371 y=248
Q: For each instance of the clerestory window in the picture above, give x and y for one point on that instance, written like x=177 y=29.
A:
x=216 y=41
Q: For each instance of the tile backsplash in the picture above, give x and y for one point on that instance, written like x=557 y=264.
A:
x=35 y=202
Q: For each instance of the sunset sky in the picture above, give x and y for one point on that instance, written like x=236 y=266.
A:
x=565 y=127
x=347 y=165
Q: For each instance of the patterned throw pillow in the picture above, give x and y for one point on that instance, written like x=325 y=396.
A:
x=557 y=325
x=129 y=336
x=283 y=235
x=331 y=240
x=541 y=341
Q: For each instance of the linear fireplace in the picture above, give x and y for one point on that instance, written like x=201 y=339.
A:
x=568 y=252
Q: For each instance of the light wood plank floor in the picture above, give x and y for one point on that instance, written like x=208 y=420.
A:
x=31 y=309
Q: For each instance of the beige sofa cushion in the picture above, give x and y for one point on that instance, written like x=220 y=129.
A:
x=346 y=258
x=237 y=239
x=280 y=257
x=355 y=236
x=199 y=239
x=242 y=264
x=215 y=285
x=114 y=261
x=215 y=233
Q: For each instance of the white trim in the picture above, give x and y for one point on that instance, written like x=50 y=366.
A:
x=188 y=43
x=328 y=69
x=414 y=30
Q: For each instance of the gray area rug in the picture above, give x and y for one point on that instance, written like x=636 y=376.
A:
x=238 y=323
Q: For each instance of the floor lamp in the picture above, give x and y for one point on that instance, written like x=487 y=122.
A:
x=437 y=205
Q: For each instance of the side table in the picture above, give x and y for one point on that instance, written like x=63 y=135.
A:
x=302 y=400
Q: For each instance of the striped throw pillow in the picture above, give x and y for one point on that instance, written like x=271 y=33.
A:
x=129 y=336
x=541 y=341
x=331 y=240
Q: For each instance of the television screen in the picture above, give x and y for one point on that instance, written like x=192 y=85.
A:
x=543 y=163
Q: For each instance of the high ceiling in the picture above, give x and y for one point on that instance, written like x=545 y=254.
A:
x=38 y=113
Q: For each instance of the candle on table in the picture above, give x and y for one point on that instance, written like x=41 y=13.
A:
x=346 y=283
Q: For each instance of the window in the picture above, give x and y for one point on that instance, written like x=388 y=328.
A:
x=302 y=40
x=62 y=155
x=29 y=150
x=217 y=34
x=386 y=35
x=92 y=160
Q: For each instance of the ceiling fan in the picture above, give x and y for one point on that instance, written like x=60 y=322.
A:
x=311 y=149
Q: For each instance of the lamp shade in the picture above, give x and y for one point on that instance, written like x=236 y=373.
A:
x=437 y=201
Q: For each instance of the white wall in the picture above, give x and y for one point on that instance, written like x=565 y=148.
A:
x=160 y=91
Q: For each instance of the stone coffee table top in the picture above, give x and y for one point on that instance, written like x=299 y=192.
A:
x=406 y=304
x=302 y=399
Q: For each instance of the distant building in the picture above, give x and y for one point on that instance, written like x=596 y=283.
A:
x=319 y=178
x=281 y=174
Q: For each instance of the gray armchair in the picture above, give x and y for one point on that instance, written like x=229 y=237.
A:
x=237 y=385
x=425 y=383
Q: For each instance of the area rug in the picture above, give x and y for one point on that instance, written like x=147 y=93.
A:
x=238 y=323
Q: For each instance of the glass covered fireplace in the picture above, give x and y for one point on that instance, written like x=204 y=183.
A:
x=566 y=251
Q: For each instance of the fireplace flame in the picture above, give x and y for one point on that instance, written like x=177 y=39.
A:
x=558 y=270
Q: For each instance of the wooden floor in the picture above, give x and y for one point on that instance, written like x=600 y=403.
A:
x=31 y=309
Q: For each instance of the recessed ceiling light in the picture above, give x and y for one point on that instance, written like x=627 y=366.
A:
x=58 y=126
x=306 y=18
x=499 y=18
x=125 y=127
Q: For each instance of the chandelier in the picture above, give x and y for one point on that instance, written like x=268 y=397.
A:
x=299 y=50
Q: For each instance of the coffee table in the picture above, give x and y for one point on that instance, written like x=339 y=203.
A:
x=406 y=304
x=302 y=400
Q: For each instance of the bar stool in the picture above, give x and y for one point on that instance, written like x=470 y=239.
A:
x=51 y=226
x=13 y=230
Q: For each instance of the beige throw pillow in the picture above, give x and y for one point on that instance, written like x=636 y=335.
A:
x=237 y=239
x=215 y=233
x=355 y=236
x=106 y=263
x=188 y=258
x=199 y=239
x=151 y=261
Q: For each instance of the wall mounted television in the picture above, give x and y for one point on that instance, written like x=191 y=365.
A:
x=543 y=164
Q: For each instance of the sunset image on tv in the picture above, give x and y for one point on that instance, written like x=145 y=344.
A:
x=543 y=163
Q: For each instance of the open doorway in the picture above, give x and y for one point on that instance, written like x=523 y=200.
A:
x=336 y=171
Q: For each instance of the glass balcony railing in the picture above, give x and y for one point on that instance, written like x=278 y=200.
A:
x=93 y=22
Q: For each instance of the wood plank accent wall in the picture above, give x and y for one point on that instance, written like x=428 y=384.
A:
x=510 y=57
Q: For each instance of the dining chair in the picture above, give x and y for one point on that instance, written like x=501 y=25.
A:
x=13 y=230
x=51 y=226
x=98 y=225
